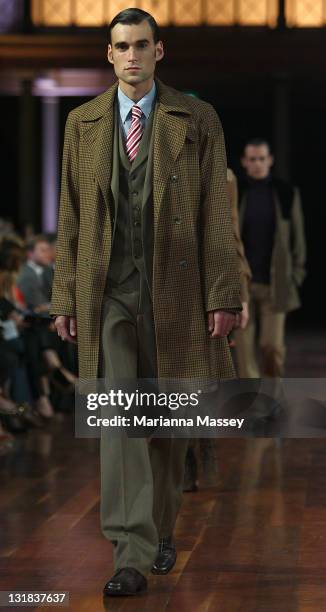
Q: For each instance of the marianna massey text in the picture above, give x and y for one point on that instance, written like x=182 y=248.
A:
x=145 y=421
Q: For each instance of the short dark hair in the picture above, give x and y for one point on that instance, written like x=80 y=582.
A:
x=256 y=142
x=32 y=242
x=134 y=16
x=51 y=237
x=12 y=253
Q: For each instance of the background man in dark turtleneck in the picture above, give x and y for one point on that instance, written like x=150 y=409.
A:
x=272 y=231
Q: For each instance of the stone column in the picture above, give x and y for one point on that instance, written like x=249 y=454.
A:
x=50 y=162
x=27 y=175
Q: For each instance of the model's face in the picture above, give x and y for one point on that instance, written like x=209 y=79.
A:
x=41 y=254
x=257 y=161
x=133 y=52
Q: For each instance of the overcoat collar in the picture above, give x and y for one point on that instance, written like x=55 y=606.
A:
x=170 y=100
x=170 y=131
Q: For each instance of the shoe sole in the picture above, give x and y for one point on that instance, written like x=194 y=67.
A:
x=125 y=594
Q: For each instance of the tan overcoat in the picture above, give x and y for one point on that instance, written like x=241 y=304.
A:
x=195 y=267
x=288 y=264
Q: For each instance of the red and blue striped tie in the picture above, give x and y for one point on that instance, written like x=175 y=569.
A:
x=135 y=133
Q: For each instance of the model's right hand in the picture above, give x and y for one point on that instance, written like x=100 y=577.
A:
x=66 y=328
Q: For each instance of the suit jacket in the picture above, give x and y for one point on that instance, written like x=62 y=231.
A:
x=195 y=266
x=32 y=287
x=48 y=274
x=289 y=252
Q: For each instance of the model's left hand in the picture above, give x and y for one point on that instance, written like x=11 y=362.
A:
x=244 y=315
x=221 y=323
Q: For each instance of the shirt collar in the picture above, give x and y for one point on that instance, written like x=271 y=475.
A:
x=38 y=269
x=146 y=103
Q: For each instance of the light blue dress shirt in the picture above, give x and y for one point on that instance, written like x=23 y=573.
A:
x=125 y=105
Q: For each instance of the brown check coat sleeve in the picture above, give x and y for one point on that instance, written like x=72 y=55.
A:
x=64 y=285
x=218 y=250
x=245 y=272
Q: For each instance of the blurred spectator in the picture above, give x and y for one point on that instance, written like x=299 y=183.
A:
x=31 y=277
x=22 y=329
x=6 y=226
x=33 y=361
x=28 y=231
x=35 y=283
x=15 y=391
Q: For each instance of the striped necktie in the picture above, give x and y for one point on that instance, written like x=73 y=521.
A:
x=135 y=133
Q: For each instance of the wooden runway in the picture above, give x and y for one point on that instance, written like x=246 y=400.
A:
x=253 y=542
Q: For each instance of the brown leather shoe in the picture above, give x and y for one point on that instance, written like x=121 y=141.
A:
x=126 y=581
x=166 y=558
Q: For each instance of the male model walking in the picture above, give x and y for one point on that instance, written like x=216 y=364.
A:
x=146 y=276
x=272 y=232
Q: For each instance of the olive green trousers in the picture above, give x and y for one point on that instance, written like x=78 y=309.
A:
x=141 y=479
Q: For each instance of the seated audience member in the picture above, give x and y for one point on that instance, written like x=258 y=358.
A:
x=35 y=283
x=28 y=339
x=15 y=392
x=31 y=276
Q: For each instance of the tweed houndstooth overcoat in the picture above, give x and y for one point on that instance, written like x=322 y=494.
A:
x=195 y=267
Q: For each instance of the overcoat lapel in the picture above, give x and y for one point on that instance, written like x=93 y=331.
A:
x=98 y=140
x=170 y=130
x=115 y=163
x=103 y=154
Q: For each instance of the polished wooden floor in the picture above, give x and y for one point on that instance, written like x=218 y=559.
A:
x=252 y=541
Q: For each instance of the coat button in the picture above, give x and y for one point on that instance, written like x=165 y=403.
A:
x=183 y=264
x=177 y=220
x=174 y=178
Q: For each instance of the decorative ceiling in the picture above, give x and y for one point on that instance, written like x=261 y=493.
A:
x=166 y=12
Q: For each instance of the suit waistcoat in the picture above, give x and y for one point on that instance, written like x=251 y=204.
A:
x=133 y=225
